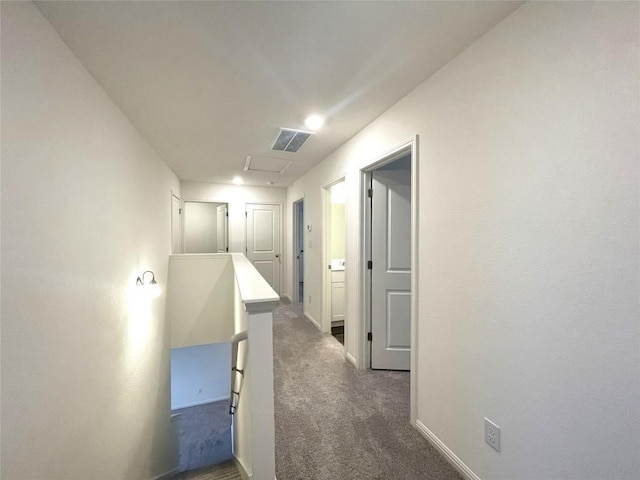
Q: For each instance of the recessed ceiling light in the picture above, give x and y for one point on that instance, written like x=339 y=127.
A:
x=314 y=122
x=237 y=180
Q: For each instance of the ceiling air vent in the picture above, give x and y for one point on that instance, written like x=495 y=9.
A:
x=290 y=140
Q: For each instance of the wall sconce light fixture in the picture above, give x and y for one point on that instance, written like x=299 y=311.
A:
x=150 y=286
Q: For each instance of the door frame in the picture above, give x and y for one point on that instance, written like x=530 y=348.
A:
x=179 y=224
x=326 y=254
x=294 y=260
x=401 y=150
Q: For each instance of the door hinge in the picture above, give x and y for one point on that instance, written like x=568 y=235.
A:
x=329 y=267
x=370 y=336
x=246 y=214
x=179 y=211
x=227 y=214
x=370 y=265
x=227 y=249
x=370 y=193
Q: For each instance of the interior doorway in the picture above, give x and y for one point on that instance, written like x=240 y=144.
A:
x=205 y=227
x=390 y=252
x=335 y=253
x=298 y=251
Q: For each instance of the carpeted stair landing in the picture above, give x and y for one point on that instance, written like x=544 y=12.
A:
x=224 y=471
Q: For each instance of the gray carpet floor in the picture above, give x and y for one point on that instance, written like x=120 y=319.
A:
x=334 y=422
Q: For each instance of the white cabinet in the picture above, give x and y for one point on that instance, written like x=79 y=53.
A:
x=337 y=296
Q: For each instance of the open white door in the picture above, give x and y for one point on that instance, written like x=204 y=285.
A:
x=263 y=241
x=391 y=270
x=221 y=228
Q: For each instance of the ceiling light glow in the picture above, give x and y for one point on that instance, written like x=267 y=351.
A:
x=237 y=180
x=314 y=122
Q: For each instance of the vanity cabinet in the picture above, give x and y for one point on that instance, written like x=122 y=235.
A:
x=337 y=297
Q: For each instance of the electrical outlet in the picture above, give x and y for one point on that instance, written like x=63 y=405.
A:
x=492 y=434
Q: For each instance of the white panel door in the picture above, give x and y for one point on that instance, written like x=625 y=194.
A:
x=221 y=228
x=176 y=225
x=263 y=241
x=391 y=272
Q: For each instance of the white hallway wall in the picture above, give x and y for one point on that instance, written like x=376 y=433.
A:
x=85 y=209
x=528 y=234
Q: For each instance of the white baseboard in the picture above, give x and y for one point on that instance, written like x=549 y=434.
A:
x=241 y=469
x=169 y=475
x=350 y=359
x=451 y=457
x=312 y=320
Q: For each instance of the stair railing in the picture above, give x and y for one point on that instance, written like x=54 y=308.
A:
x=234 y=396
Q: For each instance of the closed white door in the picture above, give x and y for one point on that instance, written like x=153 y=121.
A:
x=221 y=228
x=176 y=225
x=391 y=270
x=263 y=241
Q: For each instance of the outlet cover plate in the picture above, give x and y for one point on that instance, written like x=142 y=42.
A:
x=492 y=434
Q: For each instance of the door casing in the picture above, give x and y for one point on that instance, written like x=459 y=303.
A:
x=364 y=325
x=176 y=223
x=295 y=260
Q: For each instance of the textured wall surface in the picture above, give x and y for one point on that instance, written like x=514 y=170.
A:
x=85 y=210
x=528 y=277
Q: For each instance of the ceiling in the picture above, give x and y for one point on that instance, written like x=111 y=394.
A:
x=209 y=83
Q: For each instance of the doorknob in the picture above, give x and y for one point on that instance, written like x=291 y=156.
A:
x=277 y=255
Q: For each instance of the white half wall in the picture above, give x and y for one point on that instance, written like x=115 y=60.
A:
x=528 y=242
x=85 y=210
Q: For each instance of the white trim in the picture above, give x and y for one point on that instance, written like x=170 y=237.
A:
x=200 y=402
x=350 y=359
x=168 y=475
x=181 y=223
x=446 y=452
x=241 y=469
x=313 y=320
x=415 y=273
x=295 y=280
